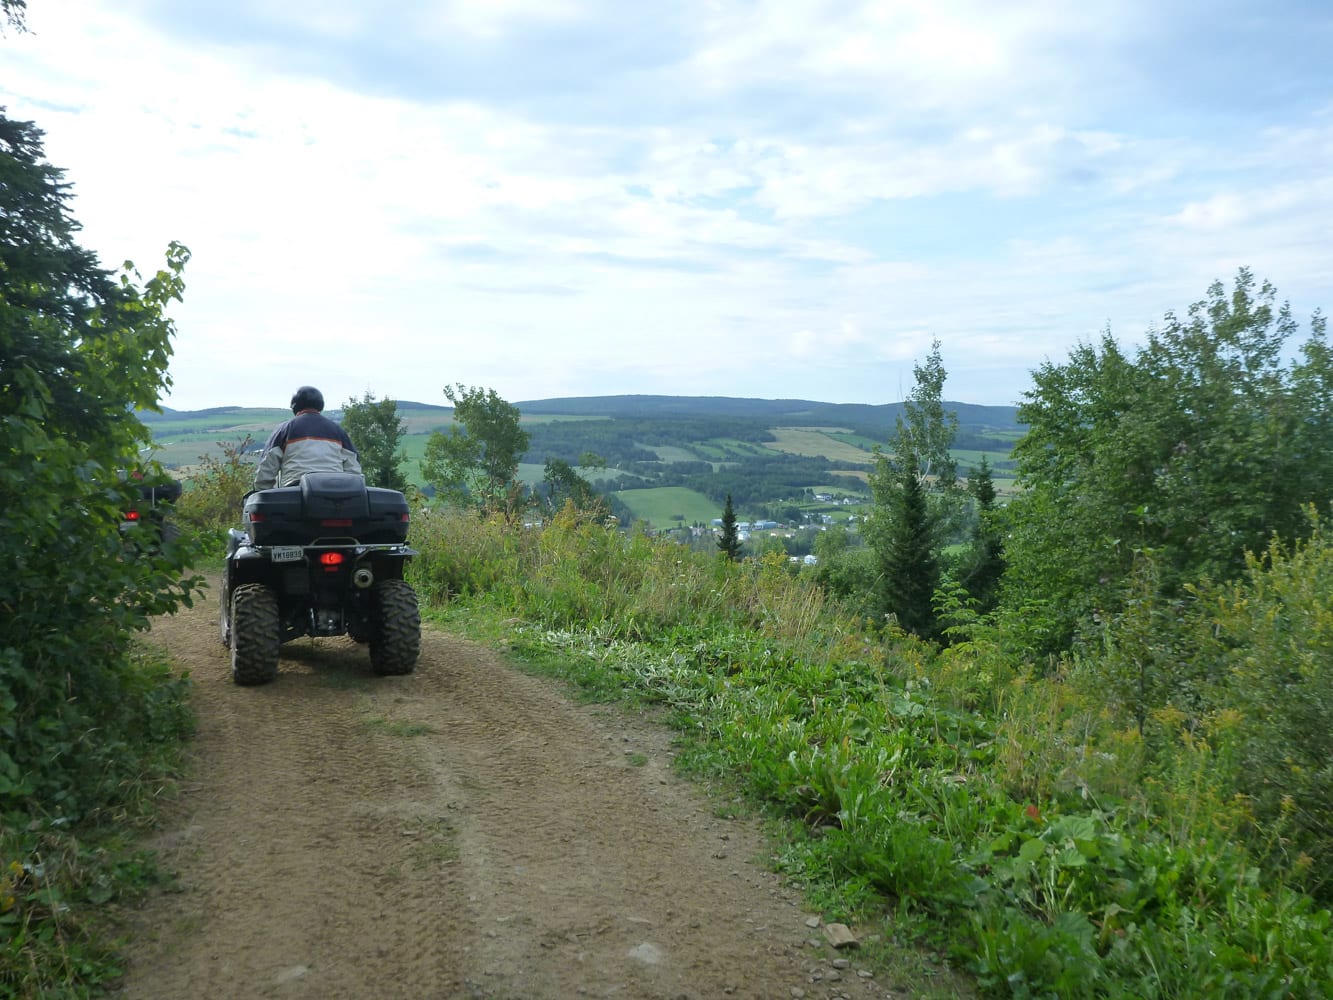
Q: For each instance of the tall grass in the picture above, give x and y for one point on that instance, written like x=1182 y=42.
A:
x=1016 y=817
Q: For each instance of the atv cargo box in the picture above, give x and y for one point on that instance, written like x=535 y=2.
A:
x=326 y=505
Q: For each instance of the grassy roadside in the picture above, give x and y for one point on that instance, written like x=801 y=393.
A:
x=998 y=815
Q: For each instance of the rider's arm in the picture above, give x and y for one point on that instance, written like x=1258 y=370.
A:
x=266 y=475
x=350 y=462
x=275 y=451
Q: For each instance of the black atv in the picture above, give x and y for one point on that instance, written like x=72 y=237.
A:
x=324 y=558
x=145 y=516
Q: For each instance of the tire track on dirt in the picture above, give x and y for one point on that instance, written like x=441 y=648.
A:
x=465 y=831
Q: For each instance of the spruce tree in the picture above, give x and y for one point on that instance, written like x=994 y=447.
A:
x=729 y=542
x=909 y=571
x=985 y=562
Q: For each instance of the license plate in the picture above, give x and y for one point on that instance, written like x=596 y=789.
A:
x=286 y=553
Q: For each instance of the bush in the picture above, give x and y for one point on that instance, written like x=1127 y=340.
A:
x=213 y=499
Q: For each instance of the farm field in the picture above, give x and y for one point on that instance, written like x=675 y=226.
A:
x=817 y=442
x=668 y=505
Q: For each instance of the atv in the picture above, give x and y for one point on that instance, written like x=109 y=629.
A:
x=323 y=558
x=145 y=515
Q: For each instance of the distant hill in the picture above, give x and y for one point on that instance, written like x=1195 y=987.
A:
x=860 y=417
x=779 y=412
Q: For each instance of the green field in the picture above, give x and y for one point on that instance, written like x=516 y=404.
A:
x=660 y=506
x=970 y=459
x=816 y=442
x=674 y=453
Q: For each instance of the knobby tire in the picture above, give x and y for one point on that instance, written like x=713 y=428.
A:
x=256 y=634
x=396 y=641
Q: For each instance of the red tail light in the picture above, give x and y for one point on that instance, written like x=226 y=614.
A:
x=254 y=516
x=331 y=558
x=131 y=515
x=406 y=517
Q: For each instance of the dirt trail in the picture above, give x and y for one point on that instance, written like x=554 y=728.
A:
x=466 y=831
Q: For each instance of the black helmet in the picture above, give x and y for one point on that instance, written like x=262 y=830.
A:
x=307 y=398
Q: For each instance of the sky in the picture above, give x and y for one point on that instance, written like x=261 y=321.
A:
x=788 y=199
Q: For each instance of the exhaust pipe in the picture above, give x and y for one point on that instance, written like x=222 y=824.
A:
x=363 y=578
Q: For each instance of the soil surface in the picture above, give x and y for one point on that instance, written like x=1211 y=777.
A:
x=465 y=831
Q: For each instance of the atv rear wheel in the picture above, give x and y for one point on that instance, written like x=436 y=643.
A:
x=256 y=634
x=395 y=642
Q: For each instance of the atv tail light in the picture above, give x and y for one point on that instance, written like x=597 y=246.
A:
x=131 y=515
x=336 y=522
x=254 y=516
x=331 y=558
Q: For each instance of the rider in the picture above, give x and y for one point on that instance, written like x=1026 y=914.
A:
x=308 y=442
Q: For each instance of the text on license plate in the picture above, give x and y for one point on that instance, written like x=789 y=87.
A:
x=286 y=553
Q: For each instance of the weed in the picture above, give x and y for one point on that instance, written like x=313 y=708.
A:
x=398 y=727
x=437 y=843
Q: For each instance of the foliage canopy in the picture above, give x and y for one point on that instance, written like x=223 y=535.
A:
x=1197 y=448
x=79 y=352
x=377 y=432
x=476 y=463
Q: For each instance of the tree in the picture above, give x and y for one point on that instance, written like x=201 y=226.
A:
x=983 y=566
x=80 y=351
x=1195 y=449
x=562 y=485
x=14 y=12
x=729 y=541
x=905 y=549
x=925 y=431
x=476 y=463
x=377 y=432
x=916 y=501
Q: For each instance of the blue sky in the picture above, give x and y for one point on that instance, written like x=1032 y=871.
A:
x=788 y=199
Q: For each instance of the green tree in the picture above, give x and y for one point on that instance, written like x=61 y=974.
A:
x=377 y=432
x=983 y=566
x=563 y=485
x=80 y=351
x=905 y=547
x=14 y=11
x=729 y=541
x=915 y=501
x=476 y=463
x=1199 y=446
x=926 y=430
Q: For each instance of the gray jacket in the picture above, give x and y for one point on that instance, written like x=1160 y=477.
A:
x=309 y=442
